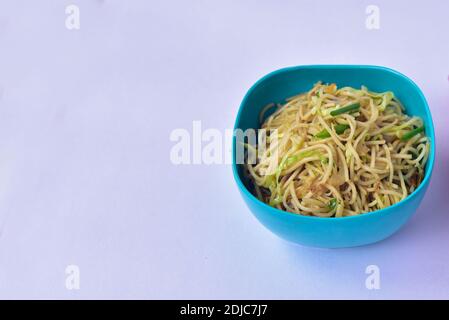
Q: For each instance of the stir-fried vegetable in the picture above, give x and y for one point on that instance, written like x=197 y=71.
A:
x=339 y=129
x=408 y=135
x=332 y=204
x=349 y=108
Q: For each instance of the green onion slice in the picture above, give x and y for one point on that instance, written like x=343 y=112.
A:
x=346 y=109
x=410 y=134
x=339 y=129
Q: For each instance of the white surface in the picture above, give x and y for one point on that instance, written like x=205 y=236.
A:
x=85 y=175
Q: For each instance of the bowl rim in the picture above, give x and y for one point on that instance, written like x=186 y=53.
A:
x=430 y=132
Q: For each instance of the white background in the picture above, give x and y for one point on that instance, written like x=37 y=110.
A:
x=85 y=173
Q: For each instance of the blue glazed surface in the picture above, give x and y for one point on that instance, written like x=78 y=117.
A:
x=333 y=232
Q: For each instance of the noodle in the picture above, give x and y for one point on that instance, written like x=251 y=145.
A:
x=339 y=152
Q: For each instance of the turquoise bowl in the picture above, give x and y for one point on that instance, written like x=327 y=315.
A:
x=333 y=232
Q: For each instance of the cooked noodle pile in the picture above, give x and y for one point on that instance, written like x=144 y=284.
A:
x=339 y=152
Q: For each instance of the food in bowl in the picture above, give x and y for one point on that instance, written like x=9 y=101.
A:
x=338 y=152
